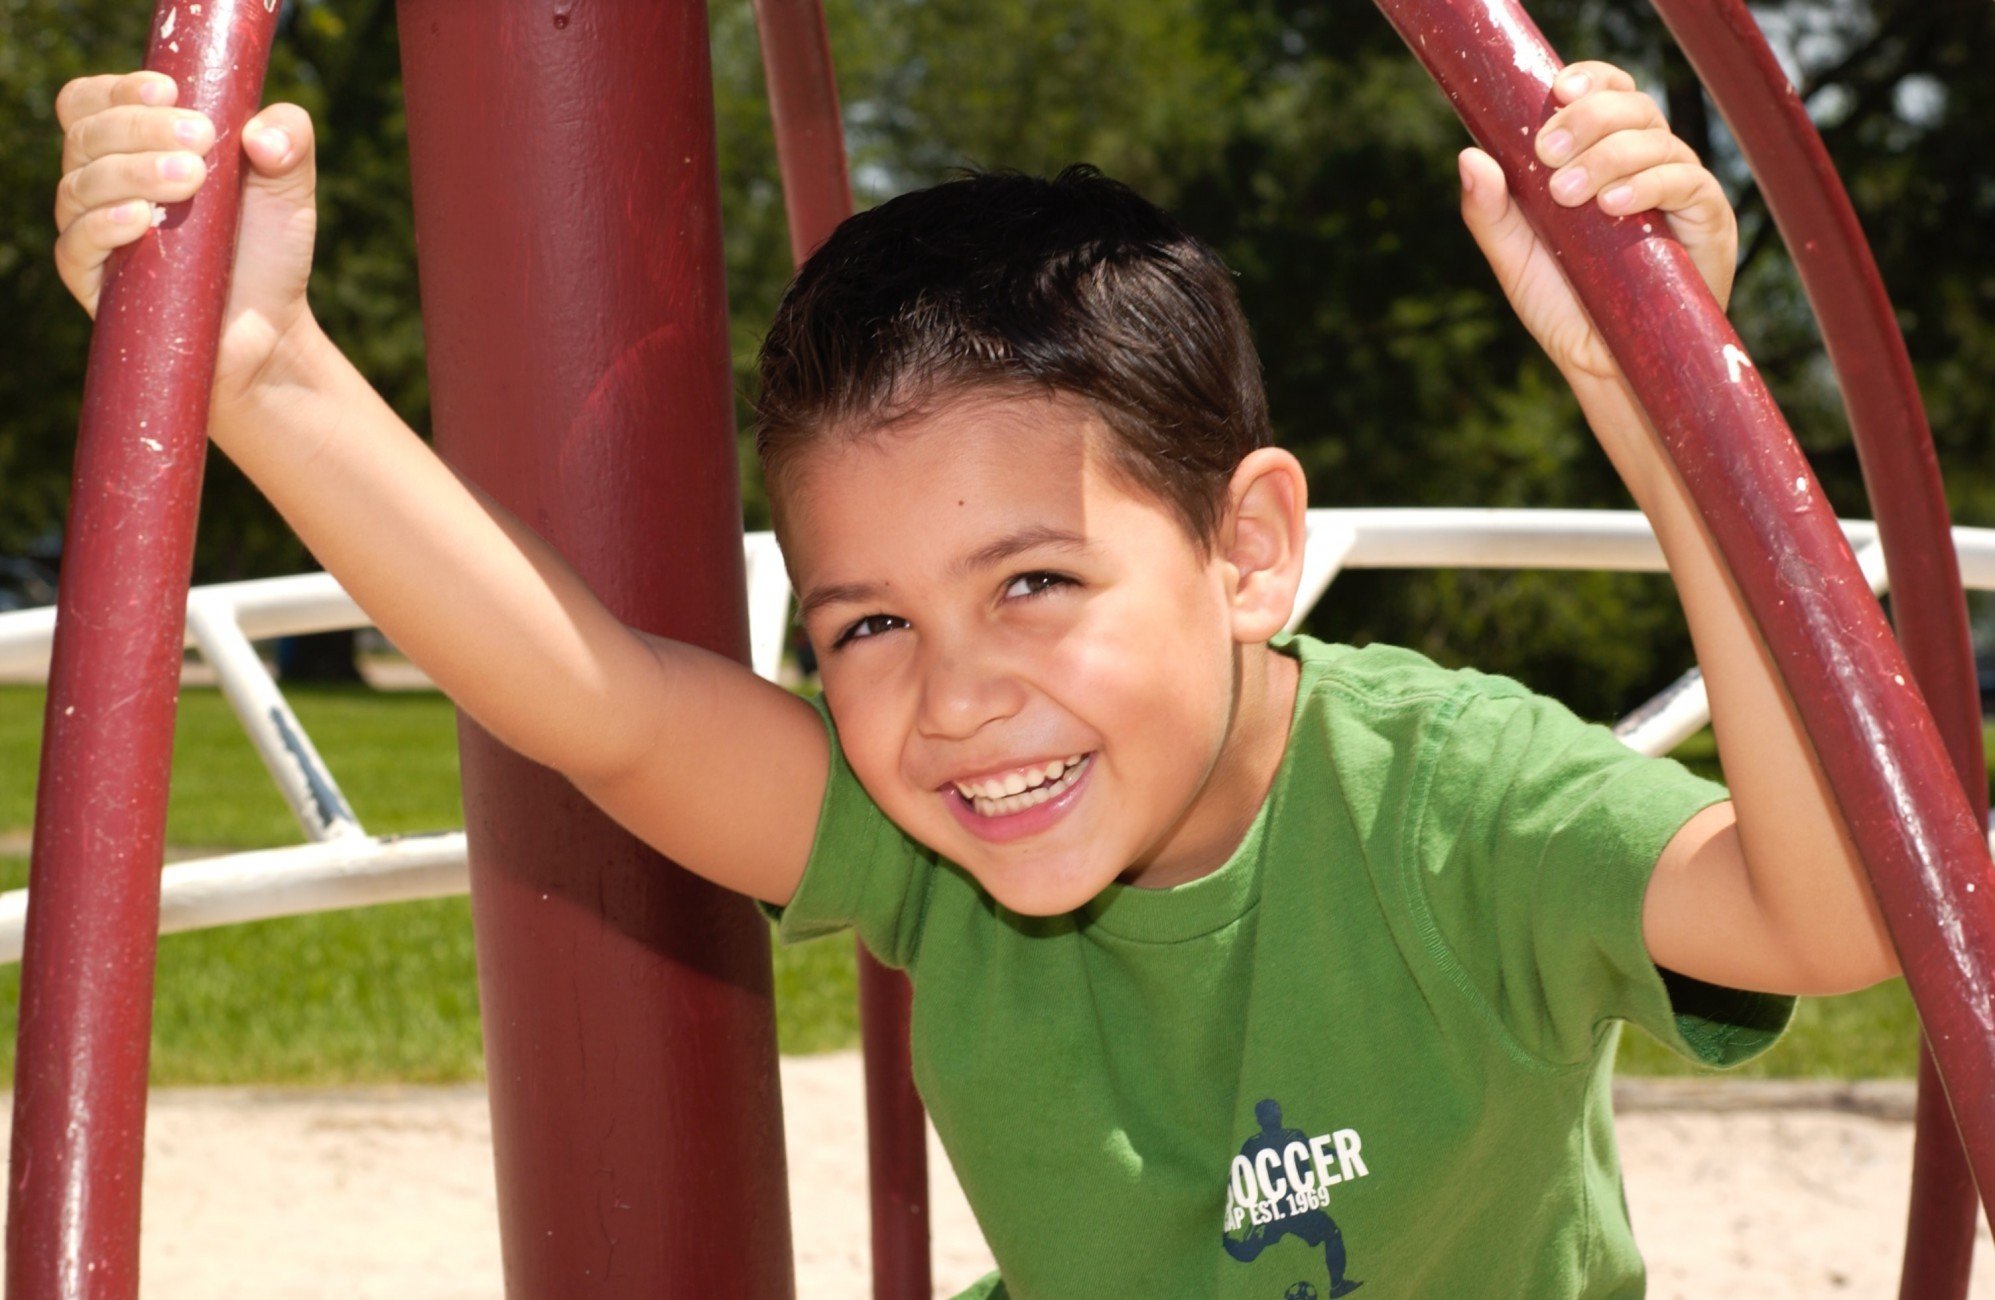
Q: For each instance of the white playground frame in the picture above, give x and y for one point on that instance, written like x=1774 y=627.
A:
x=341 y=866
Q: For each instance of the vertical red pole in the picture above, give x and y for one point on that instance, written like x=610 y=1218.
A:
x=107 y=739
x=568 y=224
x=817 y=195
x=803 y=106
x=1884 y=757
x=1901 y=471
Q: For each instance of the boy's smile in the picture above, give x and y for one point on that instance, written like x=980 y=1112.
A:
x=1022 y=801
x=1035 y=669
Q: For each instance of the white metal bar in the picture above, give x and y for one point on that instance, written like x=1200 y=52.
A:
x=267 y=883
x=1413 y=538
x=1326 y=544
x=768 y=603
x=1668 y=718
x=25 y=635
x=287 y=752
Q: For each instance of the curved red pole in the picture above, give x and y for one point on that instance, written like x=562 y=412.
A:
x=1879 y=747
x=817 y=195
x=107 y=739
x=568 y=216
x=803 y=107
x=1901 y=472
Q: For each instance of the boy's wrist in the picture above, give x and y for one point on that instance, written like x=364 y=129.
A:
x=301 y=362
x=1596 y=391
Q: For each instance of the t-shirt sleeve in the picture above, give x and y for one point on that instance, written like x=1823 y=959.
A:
x=865 y=874
x=1538 y=836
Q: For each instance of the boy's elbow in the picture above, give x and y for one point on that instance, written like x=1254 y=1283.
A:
x=1885 y=967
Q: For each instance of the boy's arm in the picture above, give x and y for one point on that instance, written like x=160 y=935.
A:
x=1764 y=892
x=692 y=752
x=718 y=769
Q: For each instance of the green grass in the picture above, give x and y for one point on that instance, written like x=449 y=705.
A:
x=390 y=993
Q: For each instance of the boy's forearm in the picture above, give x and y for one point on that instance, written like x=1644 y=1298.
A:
x=469 y=593
x=1803 y=870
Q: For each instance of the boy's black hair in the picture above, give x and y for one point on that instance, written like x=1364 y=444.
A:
x=999 y=281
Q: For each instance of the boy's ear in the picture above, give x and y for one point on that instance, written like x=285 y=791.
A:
x=1261 y=540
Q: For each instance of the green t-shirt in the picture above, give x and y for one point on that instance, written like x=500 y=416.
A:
x=1373 y=1047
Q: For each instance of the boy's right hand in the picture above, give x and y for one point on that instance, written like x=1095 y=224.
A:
x=126 y=148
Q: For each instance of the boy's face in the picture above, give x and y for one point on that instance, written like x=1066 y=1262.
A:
x=1033 y=668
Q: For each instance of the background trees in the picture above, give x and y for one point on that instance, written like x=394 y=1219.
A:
x=1296 y=136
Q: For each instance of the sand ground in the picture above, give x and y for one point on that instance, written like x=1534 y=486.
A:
x=1770 y=1191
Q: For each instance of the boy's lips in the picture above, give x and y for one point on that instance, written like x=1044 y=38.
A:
x=1026 y=812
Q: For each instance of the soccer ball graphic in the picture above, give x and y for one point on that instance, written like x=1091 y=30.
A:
x=1300 y=1291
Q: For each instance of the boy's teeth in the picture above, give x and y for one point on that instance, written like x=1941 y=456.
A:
x=1021 y=790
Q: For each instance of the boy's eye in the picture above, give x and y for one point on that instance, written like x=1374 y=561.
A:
x=1035 y=584
x=871 y=625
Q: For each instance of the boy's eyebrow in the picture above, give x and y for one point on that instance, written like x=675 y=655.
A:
x=857 y=593
x=1029 y=538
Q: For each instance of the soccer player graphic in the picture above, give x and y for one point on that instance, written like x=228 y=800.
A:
x=1314 y=1226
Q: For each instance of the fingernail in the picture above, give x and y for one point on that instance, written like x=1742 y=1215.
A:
x=1575 y=85
x=152 y=92
x=126 y=213
x=1557 y=146
x=1468 y=179
x=1617 y=198
x=190 y=130
x=276 y=139
x=1569 y=184
x=176 y=167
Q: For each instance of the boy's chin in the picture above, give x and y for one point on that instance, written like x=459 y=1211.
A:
x=1044 y=897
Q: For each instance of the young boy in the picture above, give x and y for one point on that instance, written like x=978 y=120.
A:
x=1245 y=966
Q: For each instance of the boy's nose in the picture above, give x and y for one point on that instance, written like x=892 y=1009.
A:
x=961 y=693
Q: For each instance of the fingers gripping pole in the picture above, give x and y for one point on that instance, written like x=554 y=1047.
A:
x=1901 y=471
x=817 y=194
x=100 y=810
x=1878 y=745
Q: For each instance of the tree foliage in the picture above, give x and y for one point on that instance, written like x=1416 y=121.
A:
x=1296 y=136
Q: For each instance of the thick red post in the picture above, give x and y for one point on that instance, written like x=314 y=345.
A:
x=817 y=195
x=1883 y=755
x=107 y=739
x=568 y=222
x=1901 y=471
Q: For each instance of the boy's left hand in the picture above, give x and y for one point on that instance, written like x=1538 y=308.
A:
x=1607 y=144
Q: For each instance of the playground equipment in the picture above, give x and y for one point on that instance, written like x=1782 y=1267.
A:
x=625 y=334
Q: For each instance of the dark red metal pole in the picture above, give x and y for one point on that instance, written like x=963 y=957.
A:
x=107 y=738
x=1884 y=757
x=803 y=106
x=817 y=195
x=568 y=219
x=1901 y=471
